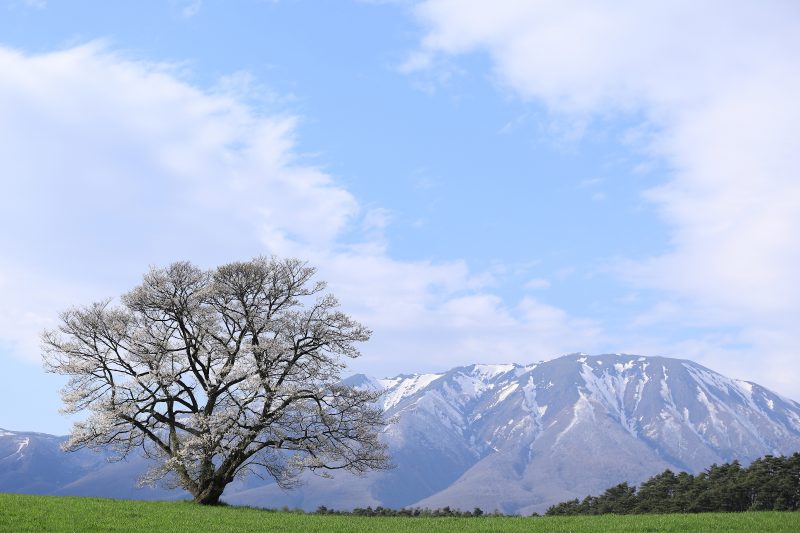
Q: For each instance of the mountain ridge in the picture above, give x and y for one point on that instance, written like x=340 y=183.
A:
x=518 y=438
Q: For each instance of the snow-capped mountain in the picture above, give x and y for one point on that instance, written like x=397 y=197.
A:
x=519 y=438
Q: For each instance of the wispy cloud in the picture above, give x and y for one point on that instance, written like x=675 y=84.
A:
x=716 y=83
x=113 y=164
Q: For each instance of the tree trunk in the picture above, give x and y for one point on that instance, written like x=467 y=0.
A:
x=210 y=493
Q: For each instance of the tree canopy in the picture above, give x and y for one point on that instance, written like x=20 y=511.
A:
x=217 y=374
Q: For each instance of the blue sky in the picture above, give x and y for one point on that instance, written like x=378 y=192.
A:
x=504 y=181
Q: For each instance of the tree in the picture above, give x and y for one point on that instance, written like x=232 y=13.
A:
x=658 y=494
x=217 y=374
x=567 y=508
x=619 y=499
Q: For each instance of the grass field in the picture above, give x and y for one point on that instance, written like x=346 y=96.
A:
x=46 y=513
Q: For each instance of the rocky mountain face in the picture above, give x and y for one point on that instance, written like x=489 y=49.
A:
x=516 y=438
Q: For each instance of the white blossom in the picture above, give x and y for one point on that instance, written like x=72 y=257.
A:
x=217 y=374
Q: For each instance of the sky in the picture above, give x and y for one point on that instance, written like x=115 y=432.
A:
x=503 y=181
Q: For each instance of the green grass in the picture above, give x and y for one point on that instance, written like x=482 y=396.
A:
x=46 y=513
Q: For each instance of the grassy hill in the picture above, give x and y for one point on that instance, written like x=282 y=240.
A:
x=46 y=513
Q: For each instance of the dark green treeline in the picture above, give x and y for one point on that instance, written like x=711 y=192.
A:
x=768 y=484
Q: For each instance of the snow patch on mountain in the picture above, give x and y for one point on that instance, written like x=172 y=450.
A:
x=505 y=392
x=581 y=411
x=467 y=387
x=609 y=390
x=21 y=444
x=488 y=372
x=403 y=387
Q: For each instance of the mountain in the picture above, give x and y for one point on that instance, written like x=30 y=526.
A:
x=33 y=463
x=577 y=425
x=518 y=438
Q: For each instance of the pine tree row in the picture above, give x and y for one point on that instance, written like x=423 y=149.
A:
x=769 y=483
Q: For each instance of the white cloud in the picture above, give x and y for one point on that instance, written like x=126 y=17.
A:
x=110 y=165
x=192 y=8
x=36 y=4
x=27 y=305
x=717 y=83
x=598 y=196
x=590 y=183
x=537 y=283
x=113 y=164
x=434 y=316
